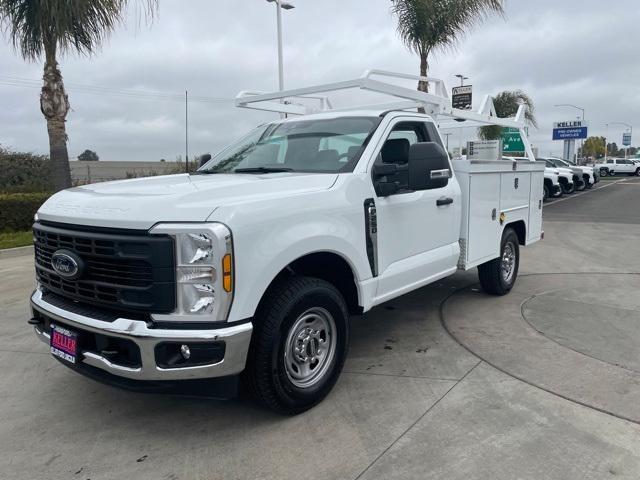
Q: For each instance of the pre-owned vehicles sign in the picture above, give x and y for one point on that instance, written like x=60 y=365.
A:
x=570 y=130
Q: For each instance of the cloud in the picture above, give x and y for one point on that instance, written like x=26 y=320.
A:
x=558 y=52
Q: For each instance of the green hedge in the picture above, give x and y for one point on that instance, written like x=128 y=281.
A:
x=22 y=172
x=17 y=210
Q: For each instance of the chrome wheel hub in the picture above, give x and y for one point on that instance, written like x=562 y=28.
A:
x=508 y=264
x=310 y=347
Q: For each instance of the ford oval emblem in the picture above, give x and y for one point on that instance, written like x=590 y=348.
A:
x=67 y=264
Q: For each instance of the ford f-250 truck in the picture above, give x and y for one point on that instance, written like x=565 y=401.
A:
x=253 y=265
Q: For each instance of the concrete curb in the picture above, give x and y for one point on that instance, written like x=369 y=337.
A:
x=16 y=252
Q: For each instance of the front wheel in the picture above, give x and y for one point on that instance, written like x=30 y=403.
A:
x=299 y=344
x=498 y=276
x=638 y=172
x=545 y=194
x=604 y=172
x=568 y=188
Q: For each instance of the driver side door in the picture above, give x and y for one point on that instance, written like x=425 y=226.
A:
x=417 y=231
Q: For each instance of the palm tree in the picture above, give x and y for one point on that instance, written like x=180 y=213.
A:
x=428 y=25
x=506 y=105
x=40 y=28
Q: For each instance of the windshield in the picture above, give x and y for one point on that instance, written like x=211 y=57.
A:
x=560 y=163
x=328 y=145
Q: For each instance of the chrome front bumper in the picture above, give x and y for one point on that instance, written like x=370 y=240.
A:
x=236 y=338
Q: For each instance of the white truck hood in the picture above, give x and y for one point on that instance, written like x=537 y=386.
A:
x=143 y=202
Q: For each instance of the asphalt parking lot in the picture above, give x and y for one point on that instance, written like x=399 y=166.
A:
x=443 y=383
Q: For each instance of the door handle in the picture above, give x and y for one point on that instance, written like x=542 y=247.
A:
x=441 y=202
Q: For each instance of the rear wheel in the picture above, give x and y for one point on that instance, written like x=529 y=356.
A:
x=498 y=276
x=299 y=345
x=638 y=172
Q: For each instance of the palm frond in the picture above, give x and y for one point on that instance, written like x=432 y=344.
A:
x=506 y=105
x=80 y=26
x=425 y=25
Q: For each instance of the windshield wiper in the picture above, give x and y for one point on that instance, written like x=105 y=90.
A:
x=263 y=170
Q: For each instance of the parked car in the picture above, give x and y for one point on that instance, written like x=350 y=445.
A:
x=588 y=175
x=614 y=166
x=576 y=173
x=254 y=264
x=566 y=177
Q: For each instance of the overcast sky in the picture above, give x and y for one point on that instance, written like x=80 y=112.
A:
x=584 y=52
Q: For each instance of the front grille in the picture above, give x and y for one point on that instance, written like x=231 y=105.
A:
x=122 y=271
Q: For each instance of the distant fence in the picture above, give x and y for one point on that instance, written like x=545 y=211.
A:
x=103 y=171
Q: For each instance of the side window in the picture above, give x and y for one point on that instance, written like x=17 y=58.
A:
x=610 y=161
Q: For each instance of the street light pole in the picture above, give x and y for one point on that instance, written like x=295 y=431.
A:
x=280 y=4
x=606 y=136
x=462 y=79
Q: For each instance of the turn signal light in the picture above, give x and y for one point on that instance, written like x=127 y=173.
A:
x=227 y=275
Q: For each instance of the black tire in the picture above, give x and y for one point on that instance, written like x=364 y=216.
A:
x=638 y=172
x=491 y=274
x=568 y=189
x=287 y=304
x=582 y=187
x=604 y=172
x=588 y=183
x=545 y=194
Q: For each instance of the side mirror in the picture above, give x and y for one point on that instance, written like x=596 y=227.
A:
x=428 y=166
x=205 y=158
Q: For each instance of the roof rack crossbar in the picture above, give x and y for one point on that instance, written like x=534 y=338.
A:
x=436 y=102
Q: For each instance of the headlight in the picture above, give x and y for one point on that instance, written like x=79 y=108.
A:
x=204 y=271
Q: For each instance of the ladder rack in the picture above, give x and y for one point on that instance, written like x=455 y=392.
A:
x=435 y=103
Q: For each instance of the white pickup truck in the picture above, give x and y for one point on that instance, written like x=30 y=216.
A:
x=614 y=166
x=252 y=266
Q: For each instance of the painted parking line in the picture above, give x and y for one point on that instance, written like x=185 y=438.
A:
x=584 y=192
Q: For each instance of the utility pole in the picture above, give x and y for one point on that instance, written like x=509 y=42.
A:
x=186 y=131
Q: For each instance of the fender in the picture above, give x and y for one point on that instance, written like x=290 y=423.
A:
x=269 y=236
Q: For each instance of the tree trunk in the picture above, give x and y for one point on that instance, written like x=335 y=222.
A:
x=54 y=105
x=424 y=69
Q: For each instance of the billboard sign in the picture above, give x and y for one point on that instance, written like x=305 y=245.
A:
x=511 y=140
x=626 y=139
x=462 y=97
x=574 y=130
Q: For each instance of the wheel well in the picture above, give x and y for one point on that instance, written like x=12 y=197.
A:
x=521 y=230
x=330 y=267
x=548 y=182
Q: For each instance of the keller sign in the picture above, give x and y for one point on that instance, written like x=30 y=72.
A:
x=576 y=129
